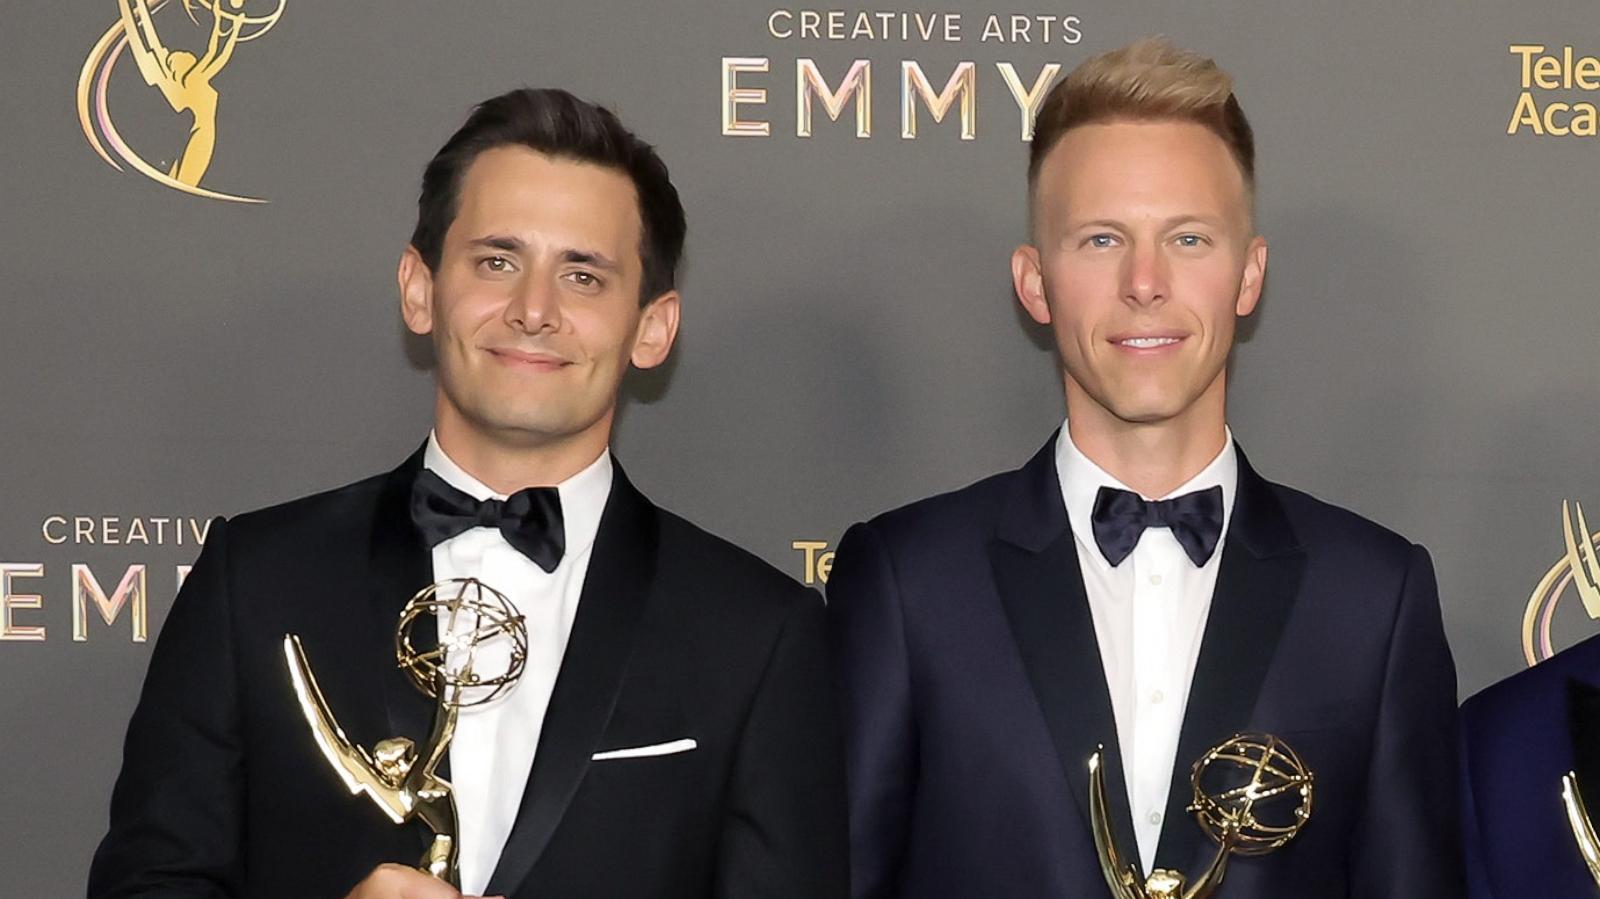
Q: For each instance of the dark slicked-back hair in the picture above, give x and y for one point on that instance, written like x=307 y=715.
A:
x=557 y=124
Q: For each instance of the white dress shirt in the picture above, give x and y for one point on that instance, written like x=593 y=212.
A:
x=494 y=743
x=1149 y=617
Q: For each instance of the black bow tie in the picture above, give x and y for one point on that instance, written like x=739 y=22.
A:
x=529 y=519
x=1120 y=518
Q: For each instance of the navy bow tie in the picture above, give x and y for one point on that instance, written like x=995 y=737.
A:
x=529 y=519
x=1121 y=516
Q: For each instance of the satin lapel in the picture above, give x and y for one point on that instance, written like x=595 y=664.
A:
x=401 y=566
x=615 y=590
x=1261 y=568
x=1583 y=722
x=1035 y=562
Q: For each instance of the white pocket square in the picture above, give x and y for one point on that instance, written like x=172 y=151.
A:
x=639 y=752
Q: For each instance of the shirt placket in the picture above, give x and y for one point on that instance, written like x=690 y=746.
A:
x=1153 y=661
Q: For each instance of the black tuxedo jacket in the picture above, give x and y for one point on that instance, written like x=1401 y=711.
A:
x=678 y=634
x=1519 y=737
x=973 y=695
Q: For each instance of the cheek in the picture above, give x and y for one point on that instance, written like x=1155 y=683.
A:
x=466 y=317
x=1078 y=300
x=1085 y=277
x=604 y=333
x=1217 y=296
x=1206 y=289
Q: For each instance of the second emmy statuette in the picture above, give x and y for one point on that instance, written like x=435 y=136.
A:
x=1582 y=826
x=1252 y=795
x=476 y=624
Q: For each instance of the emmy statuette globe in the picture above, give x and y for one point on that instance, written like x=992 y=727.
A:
x=1251 y=794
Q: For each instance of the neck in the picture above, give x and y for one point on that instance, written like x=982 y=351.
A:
x=506 y=466
x=1153 y=458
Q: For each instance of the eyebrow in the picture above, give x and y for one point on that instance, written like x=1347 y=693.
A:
x=513 y=244
x=498 y=242
x=1170 y=222
x=591 y=257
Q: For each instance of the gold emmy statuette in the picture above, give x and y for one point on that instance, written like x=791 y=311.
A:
x=1582 y=825
x=1252 y=795
x=398 y=775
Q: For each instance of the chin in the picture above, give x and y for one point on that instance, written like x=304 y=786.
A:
x=1144 y=417
x=514 y=427
x=1147 y=410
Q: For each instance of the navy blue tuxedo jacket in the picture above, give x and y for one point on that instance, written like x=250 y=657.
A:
x=973 y=695
x=1518 y=738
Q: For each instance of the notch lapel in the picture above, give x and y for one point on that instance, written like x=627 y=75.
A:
x=615 y=591
x=1035 y=562
x=1262 y=564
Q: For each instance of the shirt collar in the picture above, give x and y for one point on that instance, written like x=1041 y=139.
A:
x=583 y=496
x=1081 y=480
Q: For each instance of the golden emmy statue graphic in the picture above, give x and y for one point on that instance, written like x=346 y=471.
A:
x=1252 y=795
x=1582 y=827
x=183 y=78
x=1578 y=568
x=398 y=775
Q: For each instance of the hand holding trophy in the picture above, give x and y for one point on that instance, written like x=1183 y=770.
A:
x=397 y=775
x=1252 y=795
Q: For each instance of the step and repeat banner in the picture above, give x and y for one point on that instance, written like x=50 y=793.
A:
x=201 y=223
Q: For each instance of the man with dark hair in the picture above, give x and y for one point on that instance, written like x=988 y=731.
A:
x=1136 y=584
x=671 y=733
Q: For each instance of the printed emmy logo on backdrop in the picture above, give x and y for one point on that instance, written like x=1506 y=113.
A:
x=754 y=88
x=1579 y=569
x=185 y=79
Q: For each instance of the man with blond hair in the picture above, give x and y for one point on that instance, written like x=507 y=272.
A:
x=1137 y=585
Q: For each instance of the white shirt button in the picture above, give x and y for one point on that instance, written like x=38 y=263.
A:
x=1155 y=817
x=1155 y=580
x=1157 y=696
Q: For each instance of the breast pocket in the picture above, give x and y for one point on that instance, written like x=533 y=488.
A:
x=649 y=750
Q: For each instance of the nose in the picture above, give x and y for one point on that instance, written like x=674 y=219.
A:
x=534 y=306
x=1145 y=275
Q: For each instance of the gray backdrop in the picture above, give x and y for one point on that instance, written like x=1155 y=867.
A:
x=1424 y=354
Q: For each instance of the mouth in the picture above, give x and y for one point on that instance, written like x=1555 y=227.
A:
x=1147 y=342
x=535 y=360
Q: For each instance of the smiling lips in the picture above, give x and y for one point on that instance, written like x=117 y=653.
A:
x=524 y=359
x=1147 y=342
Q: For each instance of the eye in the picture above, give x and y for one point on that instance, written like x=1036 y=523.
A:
x=498 y=265
x=1191 y=240
x=1101 y=241
x=584 y=279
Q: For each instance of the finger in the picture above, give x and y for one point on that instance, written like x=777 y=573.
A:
x=390 y=881
x=414 y=884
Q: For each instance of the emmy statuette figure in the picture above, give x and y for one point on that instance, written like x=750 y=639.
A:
x=397 y=775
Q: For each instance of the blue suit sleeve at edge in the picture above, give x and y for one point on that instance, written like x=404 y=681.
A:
x=872 y=680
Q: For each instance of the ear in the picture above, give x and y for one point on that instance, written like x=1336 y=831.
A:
x=658 y=328
x=416 y=292
x=1027 y=278
x=1254 y=277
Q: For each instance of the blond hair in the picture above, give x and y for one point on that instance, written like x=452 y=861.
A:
x=1148 y=80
